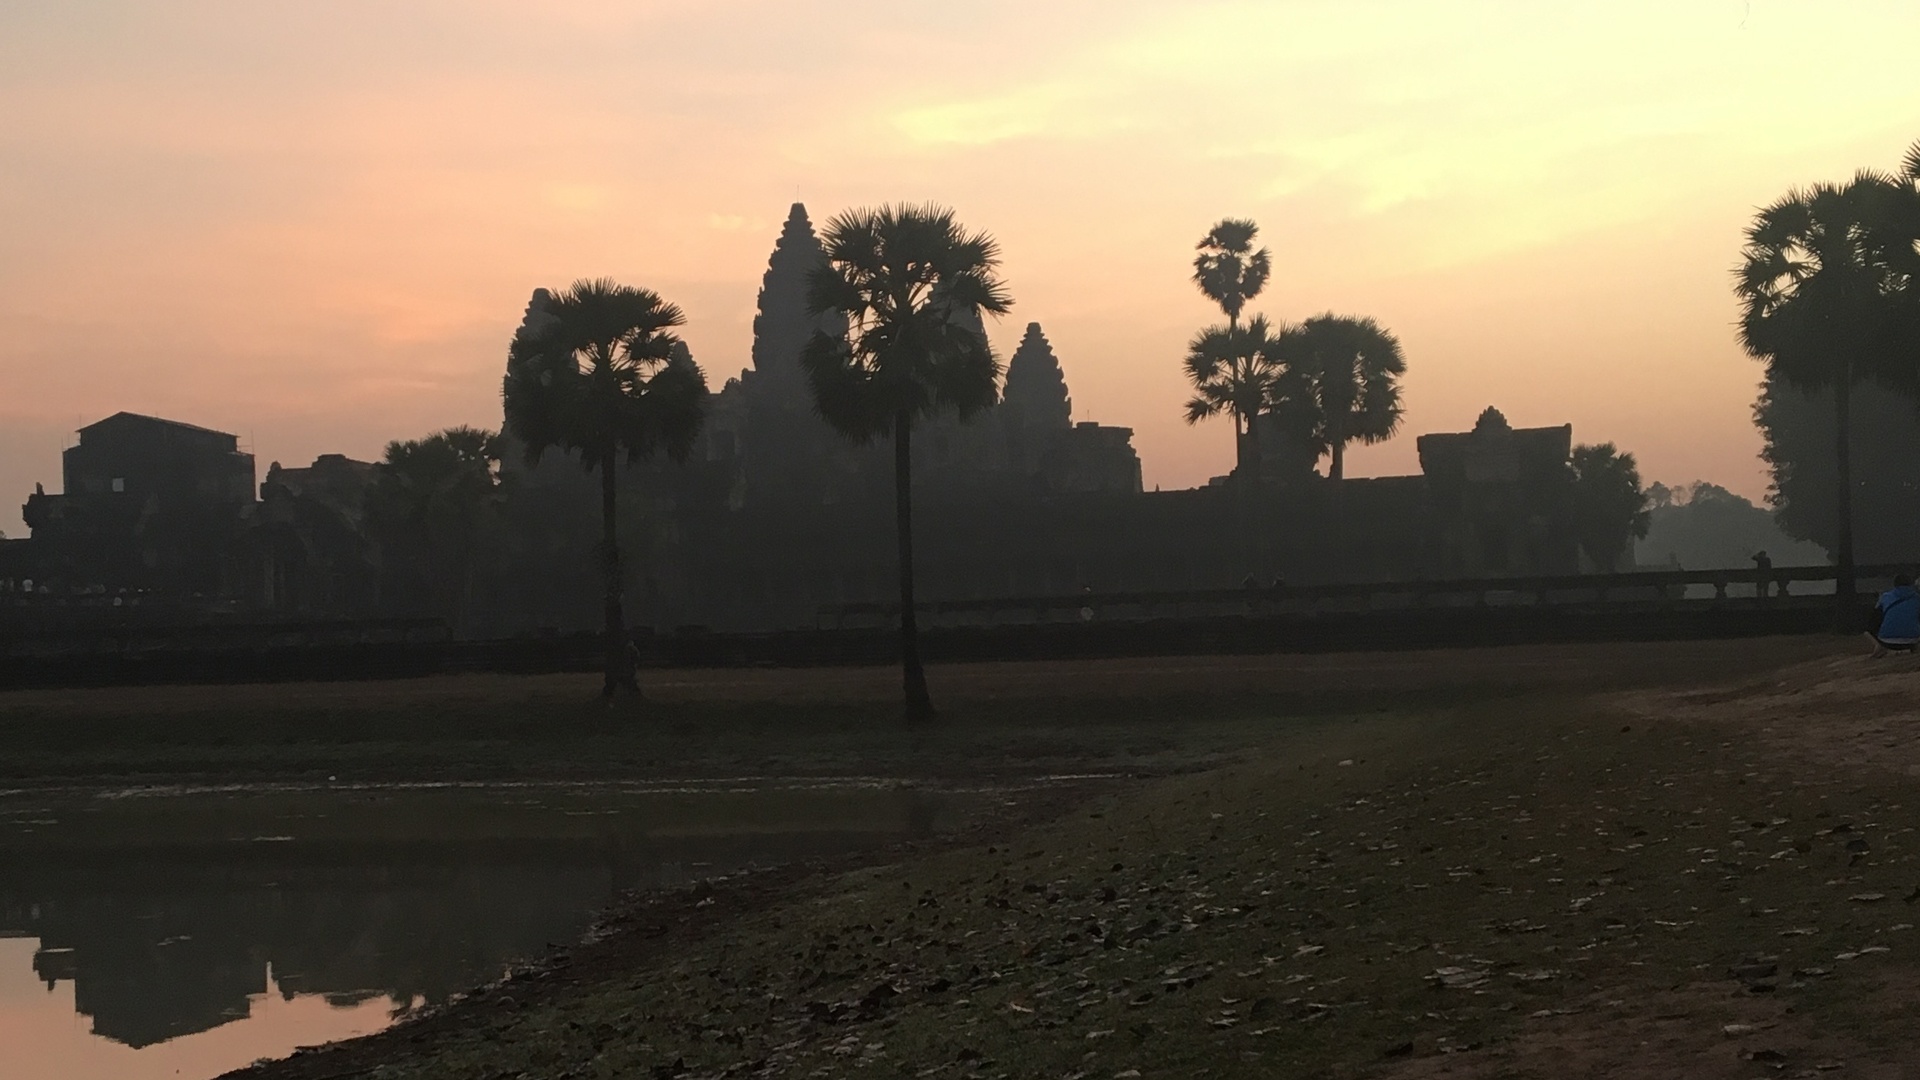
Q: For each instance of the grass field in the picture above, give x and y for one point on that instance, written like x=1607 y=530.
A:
x=1008 y=718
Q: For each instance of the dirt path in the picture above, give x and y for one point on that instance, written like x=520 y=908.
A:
x=1680 y=882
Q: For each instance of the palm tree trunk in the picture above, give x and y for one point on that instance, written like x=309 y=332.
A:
x=919 y=706
x=1336 y=464
x=1242 y=467
x=620 y=673
x=1844 y=584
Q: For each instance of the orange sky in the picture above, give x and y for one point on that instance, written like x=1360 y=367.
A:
x=316 y=223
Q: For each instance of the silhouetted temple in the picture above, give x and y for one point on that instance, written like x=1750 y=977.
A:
x=1498 y=496
x=763 y=421
x=148 y=504
x=777 y=516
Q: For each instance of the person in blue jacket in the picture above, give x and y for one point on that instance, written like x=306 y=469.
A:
x=1896 y=618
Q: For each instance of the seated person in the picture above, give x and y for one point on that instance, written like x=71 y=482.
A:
x=1896 y=618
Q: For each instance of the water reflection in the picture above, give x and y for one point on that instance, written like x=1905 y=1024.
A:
x=179 y=912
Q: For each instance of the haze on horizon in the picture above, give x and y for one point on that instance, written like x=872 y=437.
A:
x=317 y=224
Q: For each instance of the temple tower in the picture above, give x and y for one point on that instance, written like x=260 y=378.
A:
x=782 y=326
x=1036 y=392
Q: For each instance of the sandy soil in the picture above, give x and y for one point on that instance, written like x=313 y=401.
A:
x=1848 y=713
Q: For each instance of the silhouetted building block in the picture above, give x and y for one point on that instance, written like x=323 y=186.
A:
x=150 y=505
x=1093 y=457
x=1500 y=498
x=142 y=456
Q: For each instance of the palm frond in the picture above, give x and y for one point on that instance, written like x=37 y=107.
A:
x=913 y=287
x=603 y=374
x=1228 y=271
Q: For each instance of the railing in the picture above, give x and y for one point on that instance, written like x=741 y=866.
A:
x=1663 y=587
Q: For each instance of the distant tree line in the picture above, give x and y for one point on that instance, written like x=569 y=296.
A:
x=1702 y=526
x=1332 y=380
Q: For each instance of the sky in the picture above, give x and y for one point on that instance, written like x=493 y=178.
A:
x=315 y=223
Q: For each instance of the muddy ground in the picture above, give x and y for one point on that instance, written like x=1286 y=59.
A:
x=1684 y=860
x=1002 y=719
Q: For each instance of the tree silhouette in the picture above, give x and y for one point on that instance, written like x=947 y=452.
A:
x=1820 y=288
x=1900 y=238
x=1352 y=369
x=912 y=285
x=1228 y=269
x=1609 y=506
x=1232 y=370
x=1797 y=443
x=434 y=507
x=602 y=374
x=1236 y=371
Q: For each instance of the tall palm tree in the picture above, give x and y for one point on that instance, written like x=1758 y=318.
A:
x=1352 y=367
x=1819 y=303
x=1902 y=240
x=602 y=374
x=1228 y=269
x=912 y=286
x=1236 y=371
x=1230 y=370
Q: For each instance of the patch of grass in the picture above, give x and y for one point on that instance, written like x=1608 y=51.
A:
x=1134 y=715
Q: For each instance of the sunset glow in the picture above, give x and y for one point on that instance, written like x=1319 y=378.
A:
x=316 y=224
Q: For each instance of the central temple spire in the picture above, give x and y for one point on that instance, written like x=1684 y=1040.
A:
x=1036 y=387
x=782 y=326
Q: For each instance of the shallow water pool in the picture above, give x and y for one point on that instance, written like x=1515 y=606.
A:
x=183 y=932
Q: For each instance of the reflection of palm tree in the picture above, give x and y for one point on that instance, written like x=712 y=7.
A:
x=1228 y=269
x=1353 y=368
x=1235 y=372
x=1814 y=285
x=602 y=374
x=912 y=285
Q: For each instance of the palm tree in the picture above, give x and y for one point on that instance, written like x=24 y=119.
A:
x=1235 y=371
x=1819 y=288
x=912 y=286
x=1902 y=240
x=434 y=504
x=1352 y=368
x=1231 y=370
x=1609 y=505
x=600 y=374
x=1228 y=269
